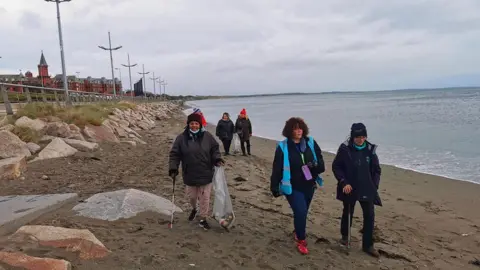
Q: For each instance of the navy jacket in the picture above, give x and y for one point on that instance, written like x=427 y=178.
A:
x=198 y=156
x=344 y=169
x=297 y=180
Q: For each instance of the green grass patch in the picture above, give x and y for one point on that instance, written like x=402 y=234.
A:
x=79 y=115
x=27 y=135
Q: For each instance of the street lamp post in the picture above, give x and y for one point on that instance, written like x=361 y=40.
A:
x=62 y=54
x=164 y=83
x=143 y=82
x=120 y=77
x=111 y=59
x=130 y=73
x=154 y=79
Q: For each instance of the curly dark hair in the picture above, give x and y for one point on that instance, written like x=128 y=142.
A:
x=292 y=124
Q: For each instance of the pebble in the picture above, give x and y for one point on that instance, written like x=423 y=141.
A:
x=45 y=177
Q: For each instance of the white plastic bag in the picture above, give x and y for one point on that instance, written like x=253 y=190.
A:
x=222 y=205
x=236 y=143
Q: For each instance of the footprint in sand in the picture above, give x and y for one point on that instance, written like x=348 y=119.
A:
x=191 y=246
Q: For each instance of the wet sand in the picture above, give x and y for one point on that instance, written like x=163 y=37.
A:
x=427 y=222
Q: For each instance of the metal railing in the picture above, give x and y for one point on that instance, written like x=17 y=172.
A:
x=31 y=94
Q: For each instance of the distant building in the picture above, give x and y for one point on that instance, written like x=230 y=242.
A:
x=89 y=84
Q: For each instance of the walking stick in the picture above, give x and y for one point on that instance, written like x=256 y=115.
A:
x=170 y=225
x=349 y=228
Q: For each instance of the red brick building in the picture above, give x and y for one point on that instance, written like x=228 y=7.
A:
x=89 y=84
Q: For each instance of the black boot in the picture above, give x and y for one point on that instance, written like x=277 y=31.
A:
x=344 y=241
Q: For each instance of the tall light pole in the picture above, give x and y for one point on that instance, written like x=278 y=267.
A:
x=164 y=83
x=154 y=79
x=143 y=82
x=111 y=59
x=120 y=77
x=62 y=55
x=160 y=85
x=130 y=73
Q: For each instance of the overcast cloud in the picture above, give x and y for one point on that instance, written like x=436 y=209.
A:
x=253 y=46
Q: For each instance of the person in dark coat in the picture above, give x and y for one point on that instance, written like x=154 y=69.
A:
x=300 y=155
x=243 y=127
x=224 y=131
x=357 y=169
x=199 y=153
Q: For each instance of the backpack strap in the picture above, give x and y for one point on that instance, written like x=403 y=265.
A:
x=312 y=147
x=311 y=144
x=285 y=185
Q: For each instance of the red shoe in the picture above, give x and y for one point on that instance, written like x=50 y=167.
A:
x=302 y=247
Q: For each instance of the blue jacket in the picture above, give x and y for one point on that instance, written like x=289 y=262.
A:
x=290 y=156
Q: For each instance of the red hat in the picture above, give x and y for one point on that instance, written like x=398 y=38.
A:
x=195 y=117
x=243 y=111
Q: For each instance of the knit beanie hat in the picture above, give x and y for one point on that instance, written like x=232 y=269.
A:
x=243 y=111
x=194 y=117
x=358 y=129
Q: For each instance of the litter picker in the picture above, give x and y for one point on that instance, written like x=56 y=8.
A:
x=170 y=225
x=349 y=227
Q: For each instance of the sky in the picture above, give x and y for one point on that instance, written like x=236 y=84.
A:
x=223 y=47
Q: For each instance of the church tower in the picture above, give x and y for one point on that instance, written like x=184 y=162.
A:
x=43 y=70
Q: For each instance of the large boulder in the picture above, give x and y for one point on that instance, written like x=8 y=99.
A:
x=47 y=138
x=12 y=146
x=125 y=203
x=12 y=168
x=81 y=145
x=120 y=132
x=58 y=129
x=73 y=240
x=76 y=133
x=144 y=125
x=33 y=147
x=17 y=259
x=100 y=133
x=8 y=127
x=55 y=149
x=26 y=122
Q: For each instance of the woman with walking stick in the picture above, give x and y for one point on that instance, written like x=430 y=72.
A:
x=357 y=169
x=198 y=151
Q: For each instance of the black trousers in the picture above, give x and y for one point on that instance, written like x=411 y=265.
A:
x=368 y=209
x=242 y=144
x=226 y=145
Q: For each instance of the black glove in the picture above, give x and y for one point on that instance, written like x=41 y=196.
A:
x=219 y=162
x=276 y=193
x=173 y=173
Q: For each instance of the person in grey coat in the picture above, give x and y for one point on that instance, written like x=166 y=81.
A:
x=199 y=153
x=243 y=127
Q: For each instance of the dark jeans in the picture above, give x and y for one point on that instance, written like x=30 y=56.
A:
x=226 y=145
x=300 y=203
x=368 y=221
x=242 y=144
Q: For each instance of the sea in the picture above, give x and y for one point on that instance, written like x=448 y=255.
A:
x=435 y=131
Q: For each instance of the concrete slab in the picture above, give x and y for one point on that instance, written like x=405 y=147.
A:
x=18 y=210
x=123 y=203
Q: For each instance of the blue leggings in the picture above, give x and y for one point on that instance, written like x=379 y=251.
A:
x=300 y=203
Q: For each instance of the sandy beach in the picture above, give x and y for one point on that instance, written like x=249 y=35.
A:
x=427 y=222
